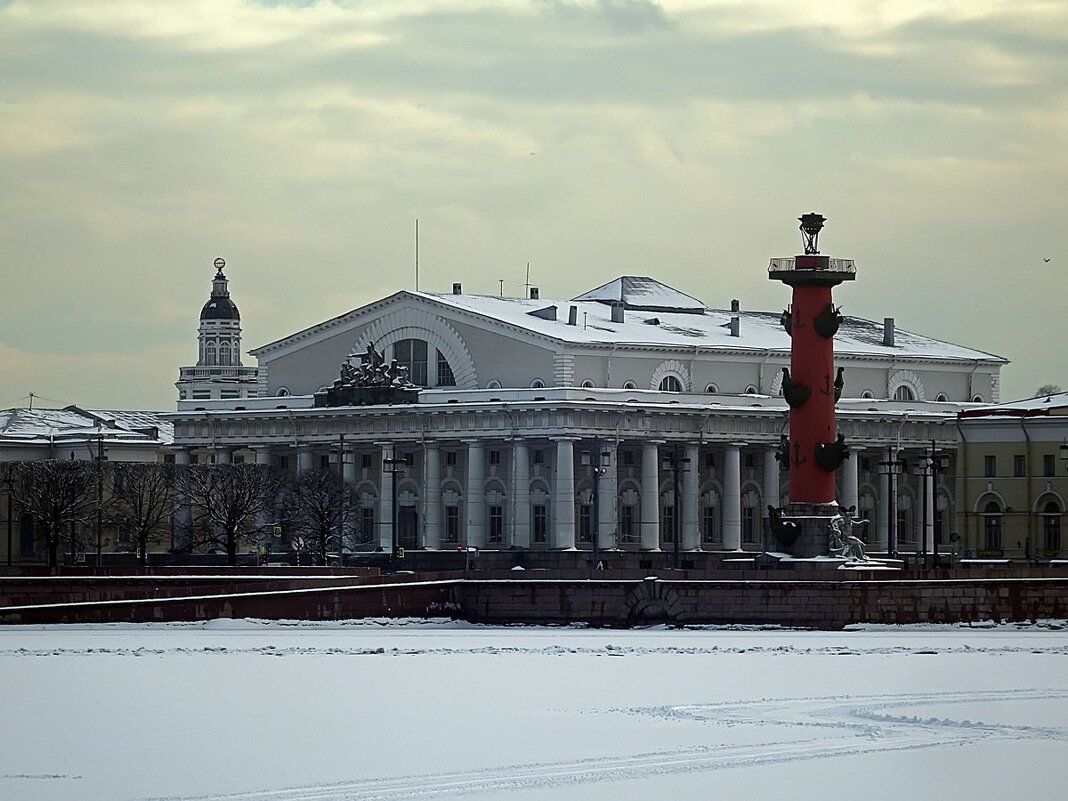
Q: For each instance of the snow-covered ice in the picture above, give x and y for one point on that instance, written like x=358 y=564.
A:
x=275 y=711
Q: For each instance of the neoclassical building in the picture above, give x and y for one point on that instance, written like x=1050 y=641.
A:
x=625 y=413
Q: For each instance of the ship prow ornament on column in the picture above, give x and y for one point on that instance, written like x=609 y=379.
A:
x=813 y=525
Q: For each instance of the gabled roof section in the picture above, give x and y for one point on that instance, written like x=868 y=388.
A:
x=643 y=293
x=1042 y=406
x=72 y=422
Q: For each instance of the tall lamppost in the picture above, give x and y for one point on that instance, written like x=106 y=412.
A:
x=676 y=463
x=393 y=466
x=891 y=468
x=598 y=470
x=9 y=485
x=929 y=466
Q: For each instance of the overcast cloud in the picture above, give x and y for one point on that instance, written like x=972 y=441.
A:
x=681 y=139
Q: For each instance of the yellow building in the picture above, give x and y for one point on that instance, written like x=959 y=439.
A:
x=1012 y=479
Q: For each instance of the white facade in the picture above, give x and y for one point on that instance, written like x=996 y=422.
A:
x=527 y=394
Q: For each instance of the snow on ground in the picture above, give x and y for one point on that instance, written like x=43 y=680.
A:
x=275 y=711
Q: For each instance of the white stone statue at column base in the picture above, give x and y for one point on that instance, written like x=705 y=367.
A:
x=841 y=540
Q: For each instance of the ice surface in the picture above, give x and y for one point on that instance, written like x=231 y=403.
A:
x=284 y=711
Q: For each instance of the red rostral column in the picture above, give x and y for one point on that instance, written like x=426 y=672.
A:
x=810 y=385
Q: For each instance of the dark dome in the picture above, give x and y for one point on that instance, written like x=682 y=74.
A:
x=220 y=308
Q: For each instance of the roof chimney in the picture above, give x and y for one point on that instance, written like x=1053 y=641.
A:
x=736 y=325
x=456 y=288
x=572 y=316
x=535 y=294
x=888 y=331
x=617 y=311
x=736 y=306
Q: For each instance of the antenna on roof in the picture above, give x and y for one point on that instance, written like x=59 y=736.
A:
x=501 y=280
x=31 y=401
x=416 y=254
x=526 y=286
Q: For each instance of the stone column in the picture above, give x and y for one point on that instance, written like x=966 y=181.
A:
x=475 y=500
x=851 y=479
x=564 y=496
x=650 y=523
x=607 y=494
x=385 y=500
x=432 y=496
x=182 y=532
x=690 y=540
x=732 y=497
x=305 y=460
x=520 y=494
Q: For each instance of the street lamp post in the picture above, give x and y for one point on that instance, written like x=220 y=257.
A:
x=9 y=482
x=675 y=463
x=393 y=467
x=891 y=468
x=598 y=469
x=929 y=466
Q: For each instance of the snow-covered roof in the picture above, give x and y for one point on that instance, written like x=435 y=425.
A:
x=708 y=328
x=1051 y=405
x=73 y=423
x=640 y=292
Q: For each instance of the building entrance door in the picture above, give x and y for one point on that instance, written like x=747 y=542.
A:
x=408 y=527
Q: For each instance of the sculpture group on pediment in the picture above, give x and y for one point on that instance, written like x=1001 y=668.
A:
x=370 y=382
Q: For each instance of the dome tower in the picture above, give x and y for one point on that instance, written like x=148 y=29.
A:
x=218 y=374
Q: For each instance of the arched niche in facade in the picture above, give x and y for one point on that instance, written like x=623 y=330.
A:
x=671 y=368
x=908 y=380
x=410 y=322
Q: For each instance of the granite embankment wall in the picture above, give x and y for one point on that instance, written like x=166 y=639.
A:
x=612 y=600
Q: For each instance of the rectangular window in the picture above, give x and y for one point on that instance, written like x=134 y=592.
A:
x=494 y=457
x=450 y=458
x=904 y=532
x=168 y=458
x=585 y=522
x=539 y=456
x=201 y=394
x=1049 y=465
x=229 y=394
x=445 y=376
x=749 y=524
x=496 y=524
x=748 y=461
x=710 y=459
x=865 y=464
x=939 y=526
x=1019 y=466
x=239 y=458
x=667 y=524
x=1051 y=531
x=283 y=462
x=365 y=461
x=628 y=527
x=990 y=466
x=708 y=524
x=324 y=462
x=628 y=458
x=452 y=524
x=992 y=532
x=541 y=523
x=411 y=353
x=367 y=523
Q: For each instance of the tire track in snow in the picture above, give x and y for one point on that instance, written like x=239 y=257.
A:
x=841 y=726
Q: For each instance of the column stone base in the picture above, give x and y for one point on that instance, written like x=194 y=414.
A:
x=801 y=530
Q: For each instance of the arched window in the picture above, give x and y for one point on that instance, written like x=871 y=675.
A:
x=992 y=526
x=1051 y=527
x=283 y=392
x=904 y=393
x=670 y=383
x=942 y=396
x=494 y=384
x=712 y=389
x=867 y=394
x=224 y=353
x=629 y=385
x=751 y=390
x=587 y=384
x=537 y=383
x=412 y=353
x=209 y=354
x=977 y=399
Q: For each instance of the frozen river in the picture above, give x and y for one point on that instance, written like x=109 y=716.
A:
x=247 y=710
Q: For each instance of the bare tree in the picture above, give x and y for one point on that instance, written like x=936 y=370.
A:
x=144 y=497
x=1047 y=389
x=316 y=510
x=231 y=501
x=60 y=496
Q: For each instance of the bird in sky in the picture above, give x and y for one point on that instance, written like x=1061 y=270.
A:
x=1047 y=261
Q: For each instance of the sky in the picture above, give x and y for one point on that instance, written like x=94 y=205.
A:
x=301 y=141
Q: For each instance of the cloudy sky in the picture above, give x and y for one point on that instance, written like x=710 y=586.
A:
x=590 y=138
